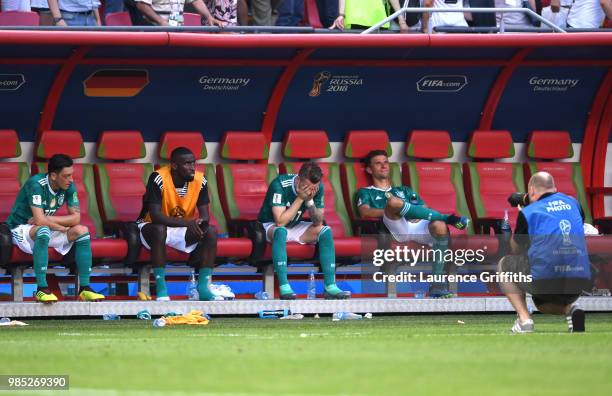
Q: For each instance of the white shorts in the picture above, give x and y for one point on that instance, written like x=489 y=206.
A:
x=293 y=234
x=406 y=231
x=175 y=238
x=58 y=241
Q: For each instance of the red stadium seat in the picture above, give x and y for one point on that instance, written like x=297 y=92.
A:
x=118 y=19
x=543 y=148
x=19 y=18
x=120 y=185
x=488 y=184
x=191 y=19
x=439 y=183
x=309 y=145
x=12 y=174
x=357 y=144
x=243 y=185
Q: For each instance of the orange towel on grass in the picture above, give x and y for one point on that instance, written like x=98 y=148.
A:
x=192 y=318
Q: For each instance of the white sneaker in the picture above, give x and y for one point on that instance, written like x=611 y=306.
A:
x=165 y=298
x=222 y=290
x=523 y=327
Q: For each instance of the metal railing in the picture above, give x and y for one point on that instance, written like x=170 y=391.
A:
x=405 y=9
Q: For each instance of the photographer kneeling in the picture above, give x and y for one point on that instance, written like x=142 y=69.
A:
x=549 y=245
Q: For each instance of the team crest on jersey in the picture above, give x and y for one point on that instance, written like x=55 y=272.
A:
x=177 y=212
x=60 y=200
x=52 y=204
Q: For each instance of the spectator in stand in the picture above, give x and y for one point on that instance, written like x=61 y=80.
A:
x=157 y=12
x=263 y=12
x=514 y=19
x=444 y=18
x=15 y=5
x=409 y=21
x=75 y=12
x=290 y=13
x=44 y=13
x=359 y=14
x=557 y=12
x=328 y=11
x=225 y=11
x=584 y=14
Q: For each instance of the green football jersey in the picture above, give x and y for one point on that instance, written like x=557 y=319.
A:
x=375 y=197
x=37 y=192
x=281 y=192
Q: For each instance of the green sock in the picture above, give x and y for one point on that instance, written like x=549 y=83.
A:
x=83 y=258
x=203 y=282
x=279 y=259
x=160 y=281
x=440 y=244
x=414 y=212
x=40 y=255
x=327 y=258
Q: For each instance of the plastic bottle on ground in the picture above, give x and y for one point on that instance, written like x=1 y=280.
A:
x=346 y=316
x=262 y=295
x=159 y=322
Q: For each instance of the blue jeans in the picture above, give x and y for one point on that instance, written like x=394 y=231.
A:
x=328 y=11
x=79 y=19
x=290 y=13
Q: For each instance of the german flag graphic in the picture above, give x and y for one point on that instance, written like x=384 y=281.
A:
x=116 y=83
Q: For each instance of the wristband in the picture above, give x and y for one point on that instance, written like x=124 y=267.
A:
x=309 y=203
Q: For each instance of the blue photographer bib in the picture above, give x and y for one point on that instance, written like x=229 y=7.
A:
x=558 y=248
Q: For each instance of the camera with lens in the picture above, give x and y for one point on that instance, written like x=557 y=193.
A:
x=518 y=198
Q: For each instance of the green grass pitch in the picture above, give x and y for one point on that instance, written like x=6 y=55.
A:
x=388 y=355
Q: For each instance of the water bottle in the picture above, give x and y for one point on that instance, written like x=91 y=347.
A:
x=346 y=316
x=506 y=235
x=5 y=320
x=312 y=286
x=159 y=322
x=176 y=14
x=111 y=316
x=262 y=295
x=274 y=313
x=505 y=224
x=192 y=288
